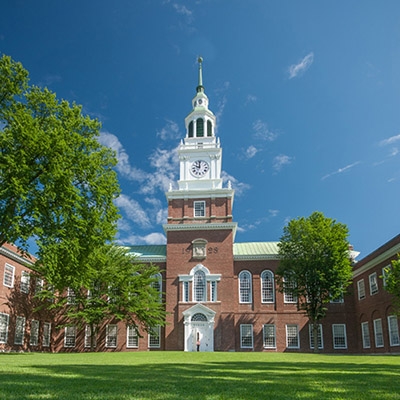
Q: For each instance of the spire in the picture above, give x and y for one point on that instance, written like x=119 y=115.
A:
x=200 y=87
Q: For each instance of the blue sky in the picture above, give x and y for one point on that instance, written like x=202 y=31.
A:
x=307 y=96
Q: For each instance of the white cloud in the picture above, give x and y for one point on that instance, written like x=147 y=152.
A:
x=273 y=213
x=123 y=166
x=302 y=66
x=251 y=151
x=262 y=132
x=280 y=161
x=169 y=131
x=152 y=238
x=239 y=187
x=133 y=210
x=250 y=99
x=341 y=170
x=390 y=140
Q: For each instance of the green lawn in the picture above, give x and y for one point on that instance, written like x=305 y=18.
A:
x=206 y=376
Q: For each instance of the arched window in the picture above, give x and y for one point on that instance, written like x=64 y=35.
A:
x=267 y=287
x=191 y=129
x=245 y=287
x=199 y=317
x=209 y=128
x=199 y=127
x=199 y=286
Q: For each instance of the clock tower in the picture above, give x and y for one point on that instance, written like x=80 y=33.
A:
x=200 y=234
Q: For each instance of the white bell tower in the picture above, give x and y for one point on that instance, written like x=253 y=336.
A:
x=200 y=154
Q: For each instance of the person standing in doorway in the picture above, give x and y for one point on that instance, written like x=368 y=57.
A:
x=198 y=342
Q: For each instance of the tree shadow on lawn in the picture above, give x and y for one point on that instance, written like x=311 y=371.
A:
x=211 y=381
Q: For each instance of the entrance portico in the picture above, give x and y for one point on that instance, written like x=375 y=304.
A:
x=199 y=328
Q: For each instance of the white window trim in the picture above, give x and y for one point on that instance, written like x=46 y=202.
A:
x=9 y=270
x=271 y=274
x=25 y=282
x=373 y=277
x=243 y=334
x=266 y=346
x=335 y=346
x=320 y=336
x=68 y=334
x=134 y=335
x=395 y=332
x=46 y=334
x=151 y=342
x=250 y=300
x=202 y=205
x=366 y=340
x=289 y=346
x=378 y=333
x=19 y=321
x=110 y=335
x=293 y=298
x=361 y=289
x=4 y=329
x=34 y=334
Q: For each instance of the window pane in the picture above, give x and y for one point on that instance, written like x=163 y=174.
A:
x=339 y=336
x=365 y=335
x=199 y=289
x=111 y=336
x=25 y=281
x=311 y=334
x=200 y=127
x=34 y=333
x=292 y=336
x=3 y=327
x=246 y=336
x=393 y=331
x=361 y=289
x=69 y=336
x=199 y=208
x=267 y=287
x=8 y=279
x=46 y=334
x=19 y=330
x=132 y=337
x=269 y=338
x=245 y=287
x=373 y=284
x=154 y=337
x=378 y=333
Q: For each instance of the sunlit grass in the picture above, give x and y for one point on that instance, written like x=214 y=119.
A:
x=209 y=376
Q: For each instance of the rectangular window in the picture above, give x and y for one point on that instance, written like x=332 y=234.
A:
x=361 y=289
x=69 y=336
x=385 y=274
x=292 y=337
x=88 y=337
x=339 y=336
x=71 y=297
x=34 y=339
x=269 y=336
x=373 y=284
x=199 y=208
x=213 y=291
x=4 y=318
x=378 y=332
x=289 y=297
x=19 y=330
x=25 y=282
x=111 y=335
x=132 y=338
x=46 y=334
x=365 y=335
x=8 y=279
x=320 y=336
x=246 y=336
x=185 y=294
x=155 y=338
x=393 y=325
x=39 y=285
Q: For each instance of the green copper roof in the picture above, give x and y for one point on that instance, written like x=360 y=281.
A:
x=248 y=250
x=149 y=251
x=255 y=249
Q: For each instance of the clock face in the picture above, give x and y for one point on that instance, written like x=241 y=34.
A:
x=199 y=168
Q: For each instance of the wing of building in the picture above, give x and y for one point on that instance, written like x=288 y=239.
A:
x=219 y=295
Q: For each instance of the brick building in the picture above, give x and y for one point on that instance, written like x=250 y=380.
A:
x=220 y=295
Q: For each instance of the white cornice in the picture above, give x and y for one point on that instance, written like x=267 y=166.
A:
x=201 y=193
x=16 y=257
x=202 y=227
x=377 y=260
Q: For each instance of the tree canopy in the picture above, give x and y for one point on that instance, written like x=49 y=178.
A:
x=57 y=182
x=392 y=282
x=315 y=265
x=120 y=289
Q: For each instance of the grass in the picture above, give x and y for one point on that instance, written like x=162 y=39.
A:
x=205 y=376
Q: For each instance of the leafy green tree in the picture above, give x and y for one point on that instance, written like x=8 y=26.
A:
x=57 y=182
x=392 y=282
x=120 y=290
x=314 y=265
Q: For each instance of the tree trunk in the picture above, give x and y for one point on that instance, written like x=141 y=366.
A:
x=315 y=336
